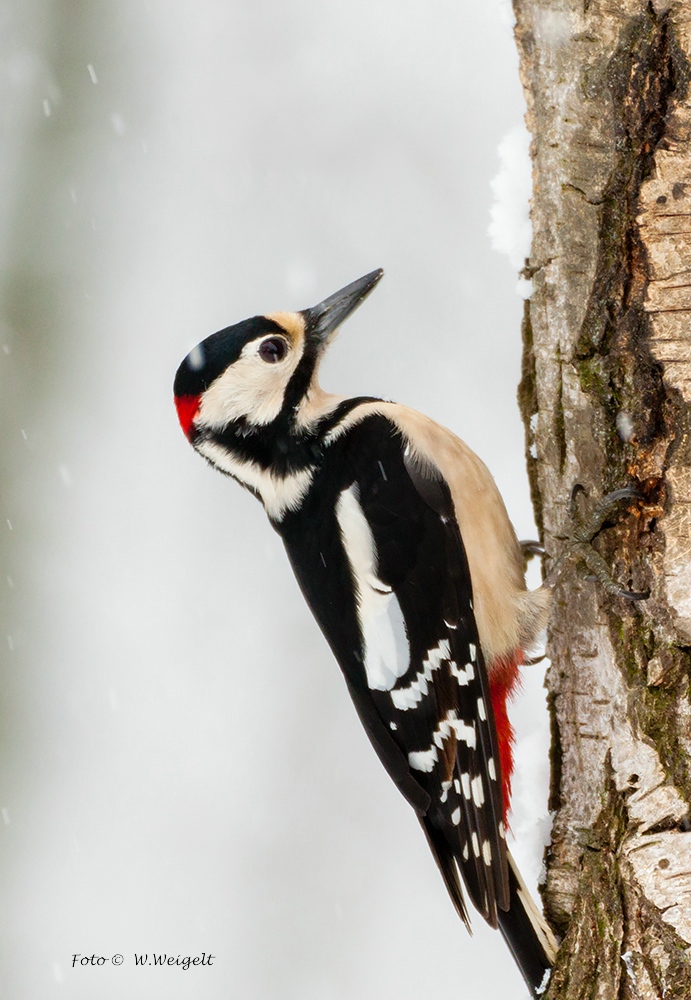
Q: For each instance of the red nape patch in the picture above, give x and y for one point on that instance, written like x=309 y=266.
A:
x=188 y=408
x=503 y=679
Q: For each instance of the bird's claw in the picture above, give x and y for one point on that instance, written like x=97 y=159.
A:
x=585 y=531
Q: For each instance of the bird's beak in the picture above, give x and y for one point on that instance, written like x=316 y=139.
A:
x=323 y=319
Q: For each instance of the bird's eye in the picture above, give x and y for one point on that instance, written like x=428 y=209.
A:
x=273 y=349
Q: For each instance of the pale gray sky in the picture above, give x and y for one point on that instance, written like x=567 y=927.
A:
x=181 y=768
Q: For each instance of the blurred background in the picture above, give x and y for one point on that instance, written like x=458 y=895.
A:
x=181 y=770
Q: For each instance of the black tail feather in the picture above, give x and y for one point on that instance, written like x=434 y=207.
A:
x=530 y=940
x=527 y=934
x=449 y=871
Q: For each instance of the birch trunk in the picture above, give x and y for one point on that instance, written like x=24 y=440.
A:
x=605 y=398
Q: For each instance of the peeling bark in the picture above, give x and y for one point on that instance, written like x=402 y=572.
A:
x=605 y=397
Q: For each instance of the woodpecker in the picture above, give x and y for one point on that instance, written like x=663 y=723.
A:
x=403 y=549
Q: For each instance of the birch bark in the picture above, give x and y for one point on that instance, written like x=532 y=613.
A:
x=605 y=397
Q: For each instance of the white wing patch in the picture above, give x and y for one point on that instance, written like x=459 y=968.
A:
x=408 y=697
x=386 y=649
x=465 y=675
x=424 y=760
x=478 y=791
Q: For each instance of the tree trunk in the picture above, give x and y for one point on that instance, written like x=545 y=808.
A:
x=605 y=399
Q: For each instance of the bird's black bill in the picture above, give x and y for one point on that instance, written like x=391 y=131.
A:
x=326 y=317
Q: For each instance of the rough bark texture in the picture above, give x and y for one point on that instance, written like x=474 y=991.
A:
x=605 y=397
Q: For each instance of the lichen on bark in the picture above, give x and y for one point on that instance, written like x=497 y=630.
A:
x=605 y=396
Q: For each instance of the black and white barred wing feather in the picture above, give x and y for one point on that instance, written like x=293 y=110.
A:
x=409 y=648
x=467 y=764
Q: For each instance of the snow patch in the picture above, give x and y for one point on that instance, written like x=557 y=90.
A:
x=553 y=27
x=510 y=230
x=531 y=822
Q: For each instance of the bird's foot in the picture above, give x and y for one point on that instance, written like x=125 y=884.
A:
x=530 y=549
x=587 y=528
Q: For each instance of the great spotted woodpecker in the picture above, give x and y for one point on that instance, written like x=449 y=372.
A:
x=406 y=556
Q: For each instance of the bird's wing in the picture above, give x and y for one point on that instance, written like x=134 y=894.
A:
x=407 y=643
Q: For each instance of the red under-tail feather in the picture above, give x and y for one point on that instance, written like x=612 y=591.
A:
x=503 y=681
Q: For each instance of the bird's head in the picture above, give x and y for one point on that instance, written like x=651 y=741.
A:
x=254 y=372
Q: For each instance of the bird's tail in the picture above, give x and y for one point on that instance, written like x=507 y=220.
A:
x=527 y=934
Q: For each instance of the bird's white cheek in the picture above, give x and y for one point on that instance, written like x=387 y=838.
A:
x=250 y=389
